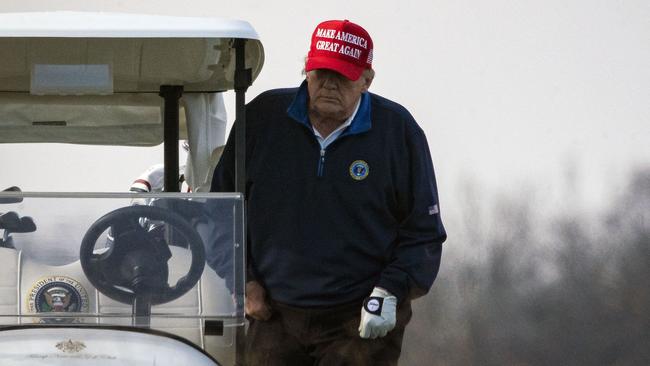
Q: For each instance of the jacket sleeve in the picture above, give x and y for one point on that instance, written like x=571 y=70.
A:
x=416 y=258
x=223 y=180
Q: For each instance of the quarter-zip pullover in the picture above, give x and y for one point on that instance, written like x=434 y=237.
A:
x=367 y=216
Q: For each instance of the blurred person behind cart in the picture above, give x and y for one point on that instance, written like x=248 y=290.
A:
x=206 y=124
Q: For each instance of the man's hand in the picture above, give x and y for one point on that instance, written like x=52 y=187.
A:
x=256 y=305
x=378 y=314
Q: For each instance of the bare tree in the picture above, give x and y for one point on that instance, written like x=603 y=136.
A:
x=571 y=290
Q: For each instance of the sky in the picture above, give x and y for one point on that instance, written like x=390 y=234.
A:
x=513 y=95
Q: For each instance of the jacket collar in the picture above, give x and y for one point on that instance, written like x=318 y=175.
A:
x=298 y=111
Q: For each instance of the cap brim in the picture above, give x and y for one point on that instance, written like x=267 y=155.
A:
x=350 y=71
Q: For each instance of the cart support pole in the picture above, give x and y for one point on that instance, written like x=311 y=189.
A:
x=171 y=95
x=243 y=79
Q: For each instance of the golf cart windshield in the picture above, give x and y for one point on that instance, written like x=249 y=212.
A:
x=158 y=262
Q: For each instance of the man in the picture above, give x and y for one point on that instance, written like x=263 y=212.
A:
x=153 y=180
x=218 y=254
x=205 y=121
x=344 y=227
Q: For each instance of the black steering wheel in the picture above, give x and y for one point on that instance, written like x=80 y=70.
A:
x=135 y=264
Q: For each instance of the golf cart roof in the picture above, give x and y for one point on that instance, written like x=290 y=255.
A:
x=120 y=25
x=94 y=78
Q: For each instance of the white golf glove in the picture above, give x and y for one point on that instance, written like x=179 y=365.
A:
x=378 y=314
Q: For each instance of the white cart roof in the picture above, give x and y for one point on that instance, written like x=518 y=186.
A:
x=120 y=25
x=138 y=52
x=103 y=71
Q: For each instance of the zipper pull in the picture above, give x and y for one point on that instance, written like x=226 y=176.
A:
x=321 y=164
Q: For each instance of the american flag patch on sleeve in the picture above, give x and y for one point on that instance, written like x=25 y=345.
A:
x=433 y=210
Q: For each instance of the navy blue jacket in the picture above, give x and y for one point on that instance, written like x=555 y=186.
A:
x=324 y=228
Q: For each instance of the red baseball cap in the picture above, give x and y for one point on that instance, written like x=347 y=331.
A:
x=341 y=46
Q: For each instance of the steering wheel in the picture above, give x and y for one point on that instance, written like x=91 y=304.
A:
x=135 y=264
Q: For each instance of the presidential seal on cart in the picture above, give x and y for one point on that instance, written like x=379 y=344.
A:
x=58 y=294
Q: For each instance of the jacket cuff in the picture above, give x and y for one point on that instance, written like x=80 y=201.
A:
x=399 y=290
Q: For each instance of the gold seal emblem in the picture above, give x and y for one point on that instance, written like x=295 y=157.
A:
x=57 y=294
x=359 y=170
x=70 y=346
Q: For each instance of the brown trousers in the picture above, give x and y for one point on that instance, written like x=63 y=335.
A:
x=321 y=337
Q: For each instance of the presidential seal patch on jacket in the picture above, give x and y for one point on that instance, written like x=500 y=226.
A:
x=359 y=170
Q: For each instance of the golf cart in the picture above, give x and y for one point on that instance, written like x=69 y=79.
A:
x=94 y=278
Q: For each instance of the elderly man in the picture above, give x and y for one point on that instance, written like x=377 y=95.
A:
x=344 y=225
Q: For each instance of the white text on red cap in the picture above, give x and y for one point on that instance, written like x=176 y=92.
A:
x=333 y=47
x=342 y=36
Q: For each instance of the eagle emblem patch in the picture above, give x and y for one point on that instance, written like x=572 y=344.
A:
x=359 y=170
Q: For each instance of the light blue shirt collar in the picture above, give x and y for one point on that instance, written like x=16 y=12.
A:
x=325 y=141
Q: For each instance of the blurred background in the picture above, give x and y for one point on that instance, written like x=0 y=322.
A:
x=537 y=115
